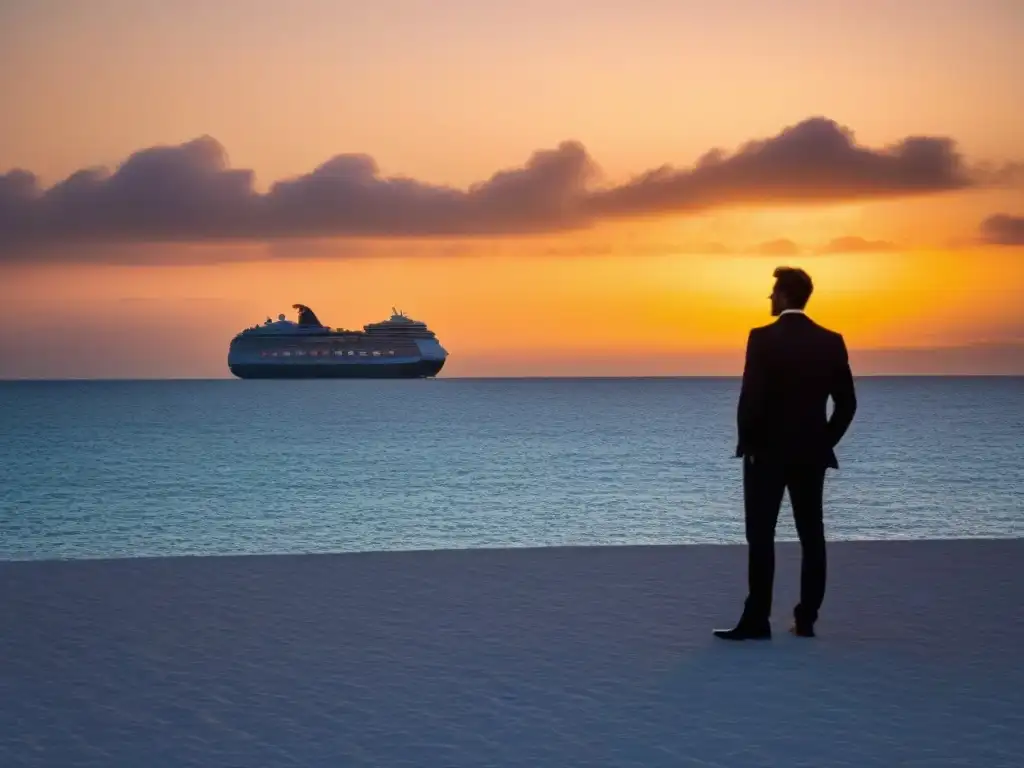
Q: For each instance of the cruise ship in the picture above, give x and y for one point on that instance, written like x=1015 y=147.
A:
x=396 y=348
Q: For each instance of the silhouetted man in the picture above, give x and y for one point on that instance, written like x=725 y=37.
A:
x=787 y=441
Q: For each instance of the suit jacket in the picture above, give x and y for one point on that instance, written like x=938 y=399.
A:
x=792 y=368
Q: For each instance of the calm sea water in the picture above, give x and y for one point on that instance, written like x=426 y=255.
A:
x=121 y=469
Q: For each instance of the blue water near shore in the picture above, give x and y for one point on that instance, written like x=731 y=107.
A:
x=124 y=469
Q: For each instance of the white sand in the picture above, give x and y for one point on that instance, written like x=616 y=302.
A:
x=557 y=657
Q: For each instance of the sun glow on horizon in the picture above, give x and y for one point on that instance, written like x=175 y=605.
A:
x=499 y=314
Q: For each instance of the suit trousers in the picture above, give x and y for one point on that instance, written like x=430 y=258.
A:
x=764 y=484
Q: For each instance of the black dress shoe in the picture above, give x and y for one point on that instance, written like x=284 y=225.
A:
x=802 y=630
x=745 y=632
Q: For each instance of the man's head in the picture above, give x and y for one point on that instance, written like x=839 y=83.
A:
x=793 y=289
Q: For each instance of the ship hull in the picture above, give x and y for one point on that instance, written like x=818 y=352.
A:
x=404 y=370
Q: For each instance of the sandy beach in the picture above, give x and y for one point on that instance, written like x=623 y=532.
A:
x=528 y=657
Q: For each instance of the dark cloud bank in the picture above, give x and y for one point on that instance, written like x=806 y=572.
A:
x=1003 y=229
x=188 y=193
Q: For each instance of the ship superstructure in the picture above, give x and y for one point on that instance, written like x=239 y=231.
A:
x=398 y=347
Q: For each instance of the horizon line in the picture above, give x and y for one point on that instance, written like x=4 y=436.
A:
x=50 y=380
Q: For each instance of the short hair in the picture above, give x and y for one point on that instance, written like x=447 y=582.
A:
x=794 y=284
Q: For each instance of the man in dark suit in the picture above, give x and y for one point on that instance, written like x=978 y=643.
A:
x=787 y=441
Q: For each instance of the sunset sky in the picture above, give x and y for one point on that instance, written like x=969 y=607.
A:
x=567 y=187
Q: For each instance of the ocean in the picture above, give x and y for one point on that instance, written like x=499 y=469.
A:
x=105 y=469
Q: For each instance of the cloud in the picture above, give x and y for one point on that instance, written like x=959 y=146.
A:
x=855 y=244
x=781 y=247
x=1005 y=175
x=811 y=162
x=187 y=193
x=1003 y=229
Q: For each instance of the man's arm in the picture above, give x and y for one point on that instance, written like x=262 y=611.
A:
x=751 y=402
x=843 y=395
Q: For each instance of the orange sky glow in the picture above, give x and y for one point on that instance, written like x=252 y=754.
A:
x=576 y=263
